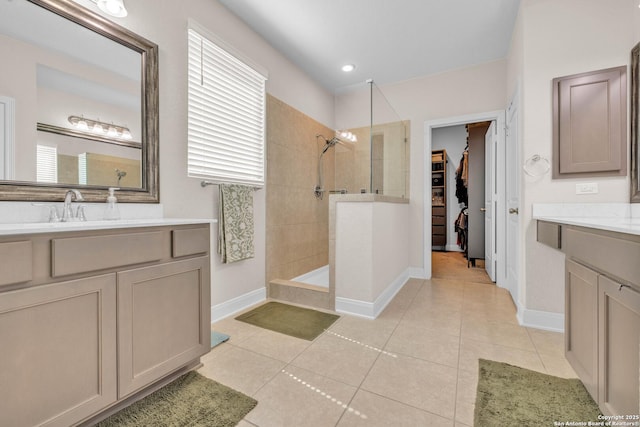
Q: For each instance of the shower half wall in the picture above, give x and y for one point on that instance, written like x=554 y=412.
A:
x=297 y=222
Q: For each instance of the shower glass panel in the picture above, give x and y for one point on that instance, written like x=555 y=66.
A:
x=379 y=161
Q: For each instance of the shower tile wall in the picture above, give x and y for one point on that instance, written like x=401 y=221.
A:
x=297 y=222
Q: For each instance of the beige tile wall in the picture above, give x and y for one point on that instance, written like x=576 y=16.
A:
x=297 y=222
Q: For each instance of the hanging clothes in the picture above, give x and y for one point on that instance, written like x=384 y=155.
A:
x=465 y=167
x=461 y=227
x=462 y=177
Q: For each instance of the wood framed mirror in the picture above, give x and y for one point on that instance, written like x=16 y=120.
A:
x=635 y=159
x=78 y=105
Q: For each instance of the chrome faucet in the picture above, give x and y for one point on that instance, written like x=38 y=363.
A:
x=67 y=211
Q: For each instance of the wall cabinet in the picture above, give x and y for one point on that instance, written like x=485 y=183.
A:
x=100 y=319
x=602 y=313
x=590 y=124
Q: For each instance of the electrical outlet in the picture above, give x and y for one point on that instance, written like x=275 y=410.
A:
x=587 y=188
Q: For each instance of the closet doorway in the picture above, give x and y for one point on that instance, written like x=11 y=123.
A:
x=464 y=192
x=475 y=200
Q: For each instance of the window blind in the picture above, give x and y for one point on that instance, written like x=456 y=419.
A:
x=226 y=116
x=46 y=163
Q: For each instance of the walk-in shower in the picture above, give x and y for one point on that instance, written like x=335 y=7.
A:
x=368 y=154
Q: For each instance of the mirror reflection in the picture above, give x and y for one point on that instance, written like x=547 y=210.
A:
x=56 y=70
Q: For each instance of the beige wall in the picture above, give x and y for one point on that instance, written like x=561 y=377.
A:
x=297 y=222
x=560 y=38
x=165 y=23
x=476 y=89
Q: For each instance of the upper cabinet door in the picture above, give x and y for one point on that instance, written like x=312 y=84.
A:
x=589 y=124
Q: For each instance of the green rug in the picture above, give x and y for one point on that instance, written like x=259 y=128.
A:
x=190 y=401
x=290 y=320
x=513 y=396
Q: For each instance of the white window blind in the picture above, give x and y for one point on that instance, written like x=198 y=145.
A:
x=226 y=117
x=46 y=163
x=82 y=169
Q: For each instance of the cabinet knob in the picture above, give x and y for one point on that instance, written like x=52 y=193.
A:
x=483 y=209
x=513 y=211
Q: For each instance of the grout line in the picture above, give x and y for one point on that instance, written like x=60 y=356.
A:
x=359 y=387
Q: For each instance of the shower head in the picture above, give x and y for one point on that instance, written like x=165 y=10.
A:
x=330 y=143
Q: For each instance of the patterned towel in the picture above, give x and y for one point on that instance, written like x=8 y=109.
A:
x=235 y=223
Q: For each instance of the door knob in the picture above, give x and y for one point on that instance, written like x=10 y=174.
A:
x=483 y=209
x=513 y=211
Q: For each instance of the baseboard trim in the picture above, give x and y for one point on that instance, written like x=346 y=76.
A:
x=237 y=304
x=544 y=320
x=416 y=272
x=371 y=310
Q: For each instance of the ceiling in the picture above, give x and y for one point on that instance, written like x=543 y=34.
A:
x=387 y=40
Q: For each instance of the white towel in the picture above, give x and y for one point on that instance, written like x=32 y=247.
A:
x=235 y=223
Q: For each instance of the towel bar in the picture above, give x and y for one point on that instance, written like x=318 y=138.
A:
x=206 y=183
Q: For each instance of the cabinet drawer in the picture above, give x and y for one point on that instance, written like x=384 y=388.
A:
x=438 y=229
x=17 y=257
x=549 y=234
x=605 y=253
x=75 y=255
x=438 y=220
x=438 y=211
x=190 y=241
x=438 y=240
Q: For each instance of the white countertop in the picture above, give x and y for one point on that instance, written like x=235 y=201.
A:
x=45 y=227
x=617 y=217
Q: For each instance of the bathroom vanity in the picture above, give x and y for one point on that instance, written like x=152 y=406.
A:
x=602 y=303
x=95 y=315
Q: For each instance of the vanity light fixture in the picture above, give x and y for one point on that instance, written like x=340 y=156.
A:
x=100 y=128
x=348 y=68
x=112 y=7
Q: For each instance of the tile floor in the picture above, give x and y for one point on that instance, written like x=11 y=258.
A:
x=415 y=365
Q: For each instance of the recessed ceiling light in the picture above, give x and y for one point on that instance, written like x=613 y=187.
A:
x=348 y=68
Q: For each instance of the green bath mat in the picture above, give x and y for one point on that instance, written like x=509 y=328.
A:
x=290 y=320
x=513 y=396
x=190 y=401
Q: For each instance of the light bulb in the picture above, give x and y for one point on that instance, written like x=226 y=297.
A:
x=82 y=125
x=112 y=132
x=126 y=134
x=97 y=128
x=347 y=68
x=113 y=7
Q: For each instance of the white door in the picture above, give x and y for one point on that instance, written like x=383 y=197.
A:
x=491 y=197
x=512 y=190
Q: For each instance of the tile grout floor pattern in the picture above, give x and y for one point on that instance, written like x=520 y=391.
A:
x=415 y=365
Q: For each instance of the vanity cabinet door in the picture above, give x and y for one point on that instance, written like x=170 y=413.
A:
x=581 y=324
x=57 y=352
x=163 y=320
x=619 y=348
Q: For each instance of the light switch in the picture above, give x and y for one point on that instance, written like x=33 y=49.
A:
x=587 y=188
